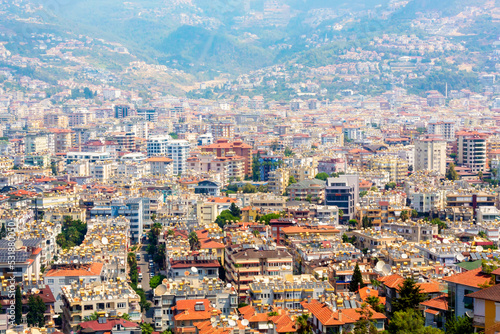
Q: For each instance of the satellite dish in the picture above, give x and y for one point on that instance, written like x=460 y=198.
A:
x=479 y=248
x=245 y=322
x=470 y=314
x=96 y=243
x=446 y=241
x=386 y=269
x=228 y=285
x=380 y=265
x=104 y=240
x=404 y=256
x=18 y=244
x=460 y=257
x=75 y=261
x=160 y=289
x=438 y=242
x=194 y=270
x=231 y=323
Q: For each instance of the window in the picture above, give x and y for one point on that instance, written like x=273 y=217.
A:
x=88 y=307
x=122 y=305
x=50 y=281
x=62 y=281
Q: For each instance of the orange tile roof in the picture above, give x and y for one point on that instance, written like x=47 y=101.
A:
x=391 y=281
x=473 y=278
x=159 y=159
x=370 y=292
x=211 y=244
x=94 y=269
x=440 y=302
x=431 y=311
x=222 y=200
x=328 y=317
x=302 y=229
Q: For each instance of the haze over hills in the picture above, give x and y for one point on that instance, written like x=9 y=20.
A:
x=235 y=36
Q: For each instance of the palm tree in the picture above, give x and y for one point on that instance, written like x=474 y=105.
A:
x=303 y=326
x=193 y=241
x=376 y=283
x=93 y=316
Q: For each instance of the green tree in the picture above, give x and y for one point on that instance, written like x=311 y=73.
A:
x=390 y=185
x=267 y=218
x=321 y=176
x=414 y=213
x=365 y=324
x=375 y=303
x=194 y=243
x=146 y=328
x=173 y=135
x=303 y=325
x=363 y=193
x=235 y=210
x=87 y=93
x=36 y=309
x=155 y=281
x=352 y=222
x=404 y=322
x=288 y=152
x=459 y=325
x=404 y=215
x=451 y=173
x=291 y=180
x=345 y=238
x=341 y=213
x=223 y=217
x=92 y=317
x=356 y=280
x=18 y=309
x=125 y=316
x=441 y=224
x=410 y=296
x=249 y=188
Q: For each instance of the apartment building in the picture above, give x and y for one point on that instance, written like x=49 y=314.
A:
x=63 y=140
x=312 y=189
x=102 y=170
x=223 y=146
x=243 y=264
x=343 y=192
x=472 y=150
x=284 y=293
x=52 y=120
x=430 y=154
x=159 y=165
x=81 y=300
x=446 y=129
x=396 y=167
x=278 y=181
x=36 y=143
x=374 y=239
x=168 y=294
x=66 y=274
x=411 y=231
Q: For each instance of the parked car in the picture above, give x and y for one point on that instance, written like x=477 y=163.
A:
x=140 y=276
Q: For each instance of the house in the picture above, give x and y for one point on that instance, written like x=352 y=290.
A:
x=187 y=313
x=463 y=284
x=281 y=322
x=209 y=188
x=436 y=311
x=109 y=326
x=327 y=318
x=486 y=309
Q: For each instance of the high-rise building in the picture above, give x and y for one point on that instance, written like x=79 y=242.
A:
x=157 y=145
x=223 y=146
x=178 y=150
x=343 y=192
x=442 y=128
x=122 y=111
x=472 y=150
x=150 y=115
x=430 y=154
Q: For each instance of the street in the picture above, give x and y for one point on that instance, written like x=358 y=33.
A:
x=143 y=263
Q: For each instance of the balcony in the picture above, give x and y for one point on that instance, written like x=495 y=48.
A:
x=478 y=321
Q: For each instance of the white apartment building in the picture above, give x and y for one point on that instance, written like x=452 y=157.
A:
x=446 y=129
x=36 y=144
x=178 y=151
x=472 y=150
x=430 y=154
x=102 y=170
x=157 y=145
